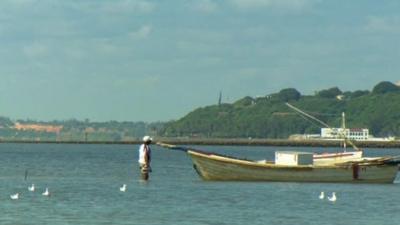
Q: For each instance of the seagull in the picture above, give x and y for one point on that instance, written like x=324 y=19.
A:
x=32 y=188
x=333 y=197
x=123 y=188
x=46 y=193
x=322 y=195
x=14 y=196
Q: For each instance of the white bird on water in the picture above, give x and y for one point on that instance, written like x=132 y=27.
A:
x=333 y=197
x=46 y=192
x=123 y=188
x=322 y=195
x=14 y=196
x=32 y=187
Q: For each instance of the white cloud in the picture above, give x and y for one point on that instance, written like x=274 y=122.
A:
x=19 y=2
x=143 y=81
x=127 y=6
x=142 y=33
x=206 y=6
x=35 y=50
x=280 y=4
x=144 y=6
x=383 y=24
x=111 y=7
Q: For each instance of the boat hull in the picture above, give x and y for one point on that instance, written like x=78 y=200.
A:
x=333 y=158
x=220 y=168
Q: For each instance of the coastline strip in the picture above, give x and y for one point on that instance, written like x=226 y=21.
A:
x=227 y=141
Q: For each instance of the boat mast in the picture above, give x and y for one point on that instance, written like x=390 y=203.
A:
x=344 y=130
x=324 y=124
x=343 y=120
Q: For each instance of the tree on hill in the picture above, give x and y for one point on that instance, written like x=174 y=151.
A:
x=289 y=94
x=5 y=122
x=358 y=93
x=246 y=101
x=329 y=93
x=385 y=87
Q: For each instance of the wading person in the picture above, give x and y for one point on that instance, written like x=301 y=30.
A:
x=145 y=157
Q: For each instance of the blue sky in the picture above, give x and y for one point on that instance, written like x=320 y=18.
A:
x=139 y=60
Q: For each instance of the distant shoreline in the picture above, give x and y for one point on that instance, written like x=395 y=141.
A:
x=230 y=141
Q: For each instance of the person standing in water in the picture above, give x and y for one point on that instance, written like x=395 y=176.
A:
x=145 y=157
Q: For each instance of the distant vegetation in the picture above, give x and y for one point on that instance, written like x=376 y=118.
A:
x=269 y=117
x=75 y=130
x=262 y=117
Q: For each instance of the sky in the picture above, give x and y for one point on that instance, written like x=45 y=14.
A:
x=145 y=60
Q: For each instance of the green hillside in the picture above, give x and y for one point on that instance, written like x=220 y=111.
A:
x=269 y=117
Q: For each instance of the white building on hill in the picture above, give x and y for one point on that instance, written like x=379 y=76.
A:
x=359 y=134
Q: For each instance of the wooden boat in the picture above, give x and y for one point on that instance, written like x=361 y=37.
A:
x=216 y=167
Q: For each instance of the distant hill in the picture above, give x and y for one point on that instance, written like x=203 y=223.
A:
x=269 y=117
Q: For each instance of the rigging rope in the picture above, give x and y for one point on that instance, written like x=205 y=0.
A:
x=323 y=123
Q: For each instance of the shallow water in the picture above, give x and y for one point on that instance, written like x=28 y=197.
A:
x=84 y=181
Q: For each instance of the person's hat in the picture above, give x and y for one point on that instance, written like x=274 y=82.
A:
x=147 y=138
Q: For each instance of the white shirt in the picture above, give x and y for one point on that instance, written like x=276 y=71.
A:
x=142 y=153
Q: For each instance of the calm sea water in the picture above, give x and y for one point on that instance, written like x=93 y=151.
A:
x=84 y=181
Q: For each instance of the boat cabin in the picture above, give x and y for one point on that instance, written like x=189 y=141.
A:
x=291 y=158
